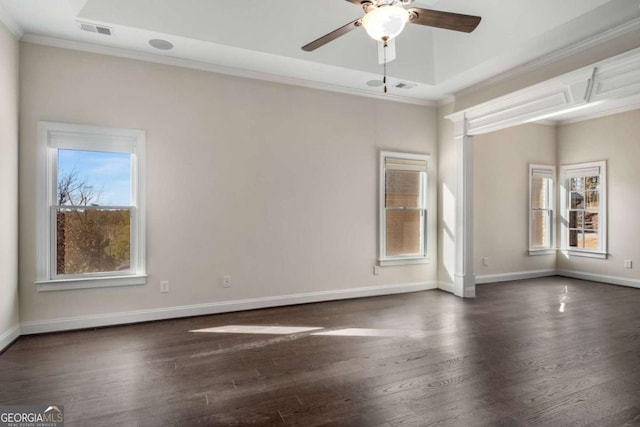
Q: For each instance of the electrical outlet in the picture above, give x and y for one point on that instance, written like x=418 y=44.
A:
x=226 y=281
x=376 y=270
x=164 y=286
x=485 y=261
x=627 y=263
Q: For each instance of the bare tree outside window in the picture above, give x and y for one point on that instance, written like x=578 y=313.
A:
x=89 y=238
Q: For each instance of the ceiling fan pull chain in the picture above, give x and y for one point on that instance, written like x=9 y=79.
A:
x=384 y=50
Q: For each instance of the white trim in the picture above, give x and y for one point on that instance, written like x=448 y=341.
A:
x=517 y=275
x=542 y=62
x=203 y=66
x=599 y=114
x=11 y=24
x=50 y=139
x=107 y=319
x=429 y=209
x=615 y=77
x=541 y=169
x=534 y=274
x=529 y=104
x=9 y=336
x=589 y=168
x=404 y=261
x=603 y=278
x=537 y=252
x=584 y=253
x=92 y=282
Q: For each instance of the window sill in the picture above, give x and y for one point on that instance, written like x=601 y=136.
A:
x=585 y=254
x=536 y=252
x=402 y=261
x=92 y=282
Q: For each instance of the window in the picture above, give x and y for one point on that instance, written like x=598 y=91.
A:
x=541 y=206
x=403 y=208
x=90 y=208
x=584 y=209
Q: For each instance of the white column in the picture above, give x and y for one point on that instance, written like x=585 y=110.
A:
x=465 y=280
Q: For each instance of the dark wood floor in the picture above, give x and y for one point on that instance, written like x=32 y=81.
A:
x=506 y=358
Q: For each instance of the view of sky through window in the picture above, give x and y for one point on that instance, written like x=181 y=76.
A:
x=108 y=173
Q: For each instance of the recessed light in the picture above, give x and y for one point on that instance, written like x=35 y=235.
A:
x=161 y=44
x=374 y=83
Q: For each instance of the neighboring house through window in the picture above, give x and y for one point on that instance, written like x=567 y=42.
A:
x=403 y=208
x=541 y=209
x=584 y=209
x=91 y=207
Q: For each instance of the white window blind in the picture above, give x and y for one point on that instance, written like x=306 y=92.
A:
x=91 y=142
x=542 y=173
x=582 y=171
x=405 y=164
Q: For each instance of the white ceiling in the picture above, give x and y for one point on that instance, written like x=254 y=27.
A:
x=264 y=39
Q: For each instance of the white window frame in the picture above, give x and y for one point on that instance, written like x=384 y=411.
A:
x=55 y=136
x=550 y=172
x=384 y=260
x=565 y=172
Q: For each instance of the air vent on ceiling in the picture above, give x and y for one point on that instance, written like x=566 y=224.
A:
x=404 y=86
x=94 y=28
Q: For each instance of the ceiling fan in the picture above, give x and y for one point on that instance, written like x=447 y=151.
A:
x=385 y=19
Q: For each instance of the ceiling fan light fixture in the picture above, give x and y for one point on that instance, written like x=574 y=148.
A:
x=385 y=22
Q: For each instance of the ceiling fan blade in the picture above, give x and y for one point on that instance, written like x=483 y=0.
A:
x=446 y=20
x=332 y=36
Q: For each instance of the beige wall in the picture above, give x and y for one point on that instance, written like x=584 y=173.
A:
x=614 y=139
x=501 y=197
x=274 y=185
x=8 y=183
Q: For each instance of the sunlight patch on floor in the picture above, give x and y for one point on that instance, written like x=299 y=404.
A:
x=287 y=330
x=258 y=329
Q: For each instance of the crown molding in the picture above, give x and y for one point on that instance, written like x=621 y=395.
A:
x=615 y=78
x=13 y=27
x=447 y=99
x=203 y=66
x=632 y=26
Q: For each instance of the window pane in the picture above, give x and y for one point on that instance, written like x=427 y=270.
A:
x=540 y=193
x=591 y=220
x=93 y=178
x=575 y=219
x=577 y=200
x=593 y=199
x=577 y=184
x=404 y=232
x=403 y=189
x=592 y=182
x=575 y=239
x=591 y=240
x=540 y=229
x=92 y=240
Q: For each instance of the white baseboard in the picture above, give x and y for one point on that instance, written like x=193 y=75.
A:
x=613 y=280
x=9 y=336
x=108 y=319
x=446 y=286
x=518 y=275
